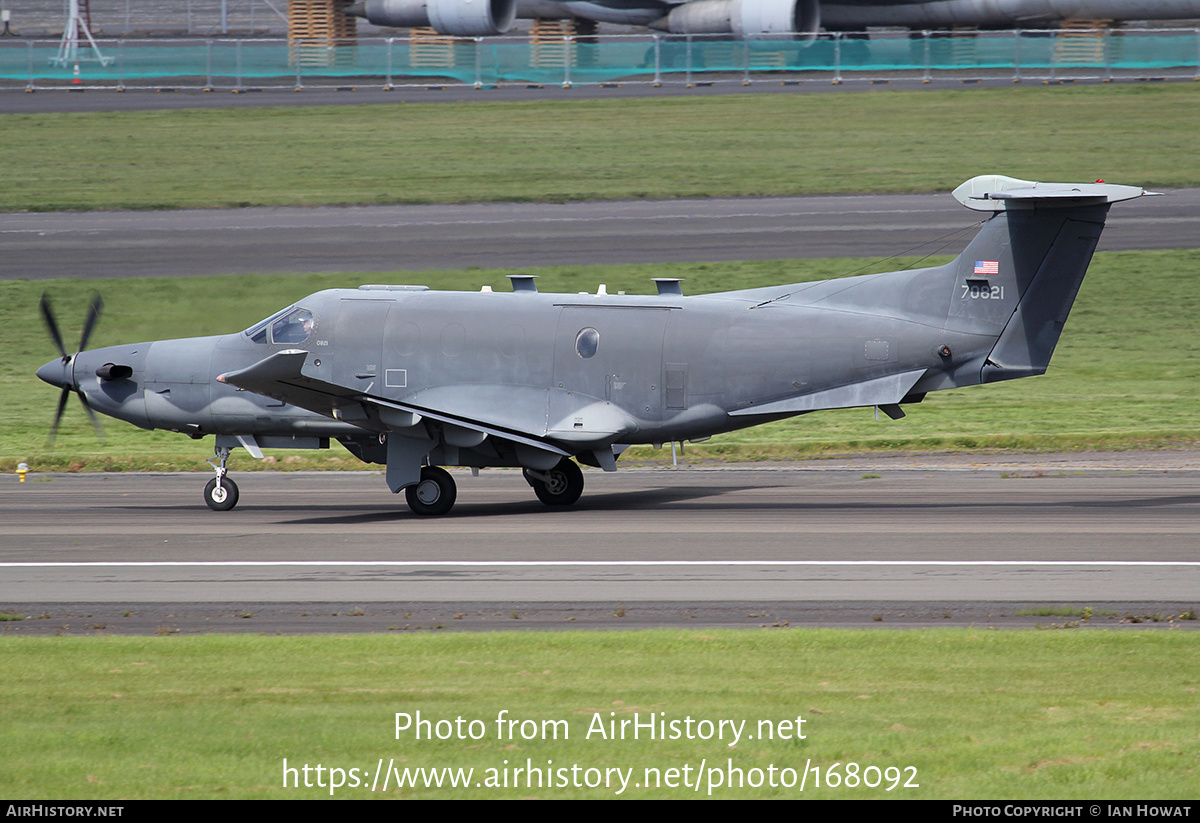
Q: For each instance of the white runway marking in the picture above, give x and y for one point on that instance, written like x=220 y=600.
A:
x=541 y=563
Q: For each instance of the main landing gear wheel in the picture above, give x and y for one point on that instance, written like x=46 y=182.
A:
x=221 y=498
x=561 y=486
x=434 y=495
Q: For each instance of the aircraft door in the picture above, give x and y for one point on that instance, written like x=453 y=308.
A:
x=358 y=345
x=612 y=354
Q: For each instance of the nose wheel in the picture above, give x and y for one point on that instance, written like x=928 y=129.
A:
x=223 y=497
x=220 y=493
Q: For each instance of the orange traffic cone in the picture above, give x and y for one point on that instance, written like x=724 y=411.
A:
x=76 y=81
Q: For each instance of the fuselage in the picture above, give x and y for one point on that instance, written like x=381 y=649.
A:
x=579 y=370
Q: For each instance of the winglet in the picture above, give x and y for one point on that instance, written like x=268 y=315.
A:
x=995 y=192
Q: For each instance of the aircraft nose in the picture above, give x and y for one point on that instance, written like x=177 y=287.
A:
x=57 y=373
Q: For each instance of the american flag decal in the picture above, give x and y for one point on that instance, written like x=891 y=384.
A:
x=987 y=267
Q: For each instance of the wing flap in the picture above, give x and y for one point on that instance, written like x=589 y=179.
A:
x=467 y=423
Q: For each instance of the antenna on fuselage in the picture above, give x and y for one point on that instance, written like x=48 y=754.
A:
x=523 y=282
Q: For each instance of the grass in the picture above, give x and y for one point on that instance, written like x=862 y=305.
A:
x=1122 y=377
x=978 y=714
x=571 y=150
x=1057 y=611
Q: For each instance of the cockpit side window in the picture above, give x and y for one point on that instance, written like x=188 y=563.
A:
x=260 y=332
x=294 y=327
x=289 y=327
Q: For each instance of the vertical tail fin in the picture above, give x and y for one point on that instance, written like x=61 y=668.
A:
x=1035 y=249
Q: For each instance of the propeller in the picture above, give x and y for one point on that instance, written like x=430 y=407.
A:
x=65 y=379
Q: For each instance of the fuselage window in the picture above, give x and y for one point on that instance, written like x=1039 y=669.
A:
x=586 y=342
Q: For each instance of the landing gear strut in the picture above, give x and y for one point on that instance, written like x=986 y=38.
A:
x=220 y=493
x=561 y=486
x=434 y=495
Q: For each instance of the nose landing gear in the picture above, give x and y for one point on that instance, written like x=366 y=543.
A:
x=220 y=493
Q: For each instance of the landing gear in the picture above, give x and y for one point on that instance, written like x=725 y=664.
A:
x=223 y=497
x=220 y=493
x=561 y=486
x=434 y=495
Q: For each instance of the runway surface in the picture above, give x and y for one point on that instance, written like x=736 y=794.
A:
x=882 y=541
x=517 y=235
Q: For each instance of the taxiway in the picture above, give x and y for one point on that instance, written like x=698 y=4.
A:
x=514 y=235
x=988 y=531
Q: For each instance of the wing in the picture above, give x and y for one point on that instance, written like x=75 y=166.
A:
x=466 y=414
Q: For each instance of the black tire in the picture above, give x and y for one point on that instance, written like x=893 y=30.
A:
x=223 y=499
x=564 y=486
x=434 y=495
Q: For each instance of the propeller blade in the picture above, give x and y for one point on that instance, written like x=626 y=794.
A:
x=62 y=405
x=95 y=420
x=94 y=309
x=52 y=325
x=89 y=324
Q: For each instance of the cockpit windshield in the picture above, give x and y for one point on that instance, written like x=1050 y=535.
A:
x=290 y=327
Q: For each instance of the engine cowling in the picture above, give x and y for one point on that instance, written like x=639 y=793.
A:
x=746 y=17
x=460 y=18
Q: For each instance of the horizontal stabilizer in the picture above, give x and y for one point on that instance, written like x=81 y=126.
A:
x=879 y=391
x=995 y=192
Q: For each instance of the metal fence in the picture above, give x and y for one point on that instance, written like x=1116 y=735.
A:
x=482 y=62
x=118 y=18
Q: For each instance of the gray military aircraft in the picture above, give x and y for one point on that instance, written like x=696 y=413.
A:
x=417 y=379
